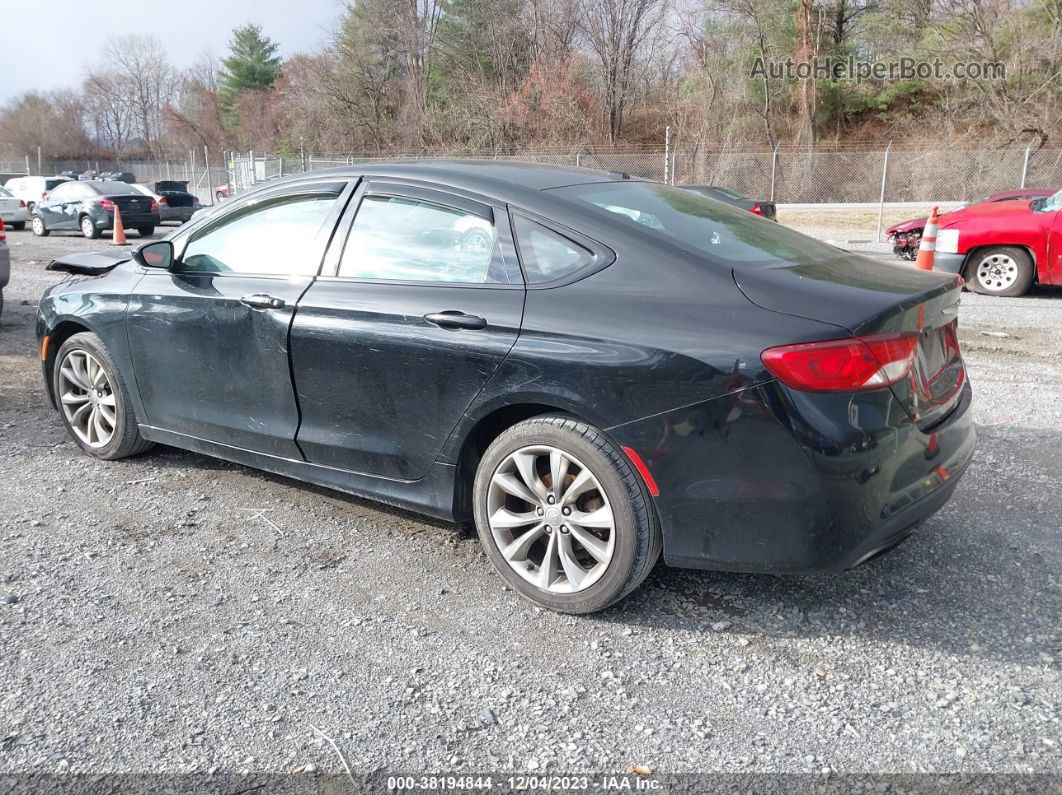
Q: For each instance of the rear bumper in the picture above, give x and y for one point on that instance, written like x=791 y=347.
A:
x=20 y=215
x=767 y=480
x=105 y=220
x=175 y=213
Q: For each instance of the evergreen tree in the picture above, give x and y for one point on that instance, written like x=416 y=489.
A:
x=252 y=65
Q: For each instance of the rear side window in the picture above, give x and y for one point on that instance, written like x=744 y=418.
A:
x=398 y=238
x=545 y=254
x=733 y=236
x=274 y=237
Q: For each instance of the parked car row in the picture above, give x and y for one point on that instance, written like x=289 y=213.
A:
x=90 y=207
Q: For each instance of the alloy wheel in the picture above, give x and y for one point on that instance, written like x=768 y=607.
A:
x=997 y=272
x=87 y=398
x=550 y=519
x=38 y=225
x=88 y=229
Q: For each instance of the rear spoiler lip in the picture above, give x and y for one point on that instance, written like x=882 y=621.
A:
x=88 y=263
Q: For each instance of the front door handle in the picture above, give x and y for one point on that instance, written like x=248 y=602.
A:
x=259 y=301
x=453 y=319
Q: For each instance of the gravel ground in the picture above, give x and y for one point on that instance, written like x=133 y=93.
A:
x=177 y=613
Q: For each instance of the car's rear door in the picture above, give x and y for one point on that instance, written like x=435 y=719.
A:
x=209 y=337
x=413 y=313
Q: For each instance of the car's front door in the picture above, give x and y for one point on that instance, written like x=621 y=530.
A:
x=55 y=209
x=209 y=337
x=409 y=320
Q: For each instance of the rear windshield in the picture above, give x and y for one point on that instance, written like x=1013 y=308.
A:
x=6 y=193
x=113 y=188
x=51 y=183
x=171 y=186
x=731 y=235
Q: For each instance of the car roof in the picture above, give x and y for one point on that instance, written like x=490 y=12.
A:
x=499 y=179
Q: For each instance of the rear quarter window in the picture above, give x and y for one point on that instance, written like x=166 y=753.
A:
x=728 y=234
x=546 y=255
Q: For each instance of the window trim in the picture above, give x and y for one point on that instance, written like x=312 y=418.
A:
x=601 y=256
x=322 y=239
x=383 y=186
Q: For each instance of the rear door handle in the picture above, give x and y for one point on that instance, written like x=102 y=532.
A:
x=453 y=319
x=259 y=301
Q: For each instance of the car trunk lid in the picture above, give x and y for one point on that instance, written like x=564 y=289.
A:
x=865 y=298
x=132 y=204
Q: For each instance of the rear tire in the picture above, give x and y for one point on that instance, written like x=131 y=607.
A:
x=146 y=231
x=590 y=566
x=39 y=229
x=70 y=379
x=89 y=228
x=18 y=226
x=1000 y=270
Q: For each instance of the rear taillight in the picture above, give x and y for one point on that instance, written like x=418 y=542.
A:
x=161 y=201
x=858 y=364
x=21 y=204
x=756 y=209
x=107 y=205
x=3 y=234
x=155 y=206
x=44 y=195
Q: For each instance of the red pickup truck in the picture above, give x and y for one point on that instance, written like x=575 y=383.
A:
x=1002 y=248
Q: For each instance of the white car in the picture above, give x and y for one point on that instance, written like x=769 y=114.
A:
x=13 y=210
x=32 y=189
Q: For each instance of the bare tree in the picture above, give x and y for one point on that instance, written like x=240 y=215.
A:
x=616 y=31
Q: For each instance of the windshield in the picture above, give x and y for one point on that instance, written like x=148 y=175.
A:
x=6 y=193
x=1051 y=204
x=113 y=188
x=731 y=235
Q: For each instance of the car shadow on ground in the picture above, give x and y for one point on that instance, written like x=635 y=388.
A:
x=978 y=578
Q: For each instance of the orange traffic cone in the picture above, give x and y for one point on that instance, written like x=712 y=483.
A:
x=927 y=249
x=119 y=230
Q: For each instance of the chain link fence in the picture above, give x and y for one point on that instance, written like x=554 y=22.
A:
x=853 y=175
x=788 y=176
x=204 y=179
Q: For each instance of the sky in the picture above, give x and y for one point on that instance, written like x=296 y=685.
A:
x=38 y=55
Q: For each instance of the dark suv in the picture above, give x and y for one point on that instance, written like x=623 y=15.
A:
x=90 y=207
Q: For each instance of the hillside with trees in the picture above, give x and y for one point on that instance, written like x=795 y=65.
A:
x=517 y=75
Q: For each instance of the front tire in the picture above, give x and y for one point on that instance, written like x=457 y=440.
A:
x=89 y=228
x=94 y=400
x=39 y=229
x=1000 y=270
x=563 y=516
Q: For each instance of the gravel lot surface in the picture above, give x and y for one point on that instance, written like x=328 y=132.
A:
x=177 y=613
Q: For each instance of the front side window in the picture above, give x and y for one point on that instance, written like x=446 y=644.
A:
x=546 y=255
x=396 y=238
x=62 y=193
x=272 y=237
x=733 y=236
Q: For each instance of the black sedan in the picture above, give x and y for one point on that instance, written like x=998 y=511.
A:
x=754 y=206
x=90 y=206
x=593 y=368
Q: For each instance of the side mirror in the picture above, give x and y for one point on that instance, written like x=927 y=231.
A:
x=158 y=254
x=1037 y=204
